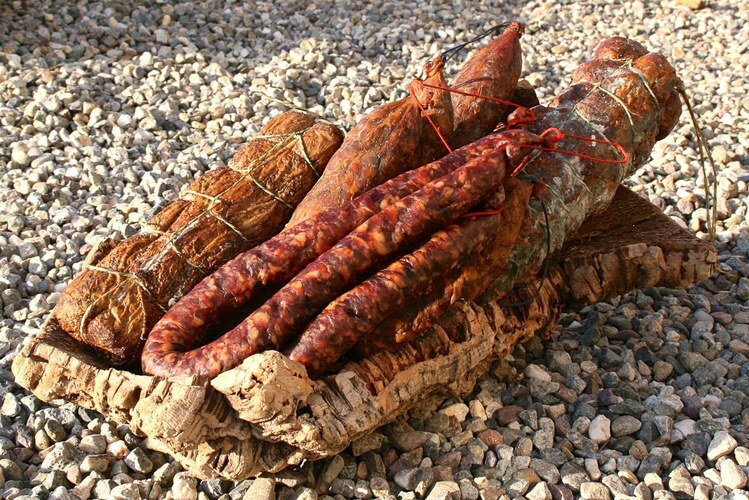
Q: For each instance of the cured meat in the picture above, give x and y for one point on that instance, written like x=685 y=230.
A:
x=121 y=293
x=625 y=95
x=493 y=72
x=168 y=347
x=356 y=313
x=467 y=280
x=394 y=138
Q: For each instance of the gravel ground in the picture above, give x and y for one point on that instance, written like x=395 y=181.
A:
x=108 y=108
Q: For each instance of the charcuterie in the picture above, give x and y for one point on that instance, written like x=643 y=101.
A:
x=588 y=140
x=120 y=294
x=492 y=73
x=234 y=285
x=392 y=139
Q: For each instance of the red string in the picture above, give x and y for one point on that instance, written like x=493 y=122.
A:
x=555 y=135
x=530 y=117
x=481 y=213
x=470 y=94
x=429 y=118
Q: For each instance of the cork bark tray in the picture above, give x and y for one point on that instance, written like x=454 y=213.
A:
x=267 y=414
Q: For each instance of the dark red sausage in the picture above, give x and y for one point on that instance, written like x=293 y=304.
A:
x=167 y=350
x=357 y=313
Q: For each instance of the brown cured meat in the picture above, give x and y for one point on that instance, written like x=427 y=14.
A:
x=492 y=72
x=389 y=141
x=356 y=313
x=113 y=303
x=390 y=231
x=627 y=99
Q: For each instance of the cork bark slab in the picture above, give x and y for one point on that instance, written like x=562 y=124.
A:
x=267 y=414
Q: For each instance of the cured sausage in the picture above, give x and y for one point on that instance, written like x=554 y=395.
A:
x=625 y=96
x=493 y=72
x=118 y=297
x=356 y=313
x=393 y=139
x=168 y=348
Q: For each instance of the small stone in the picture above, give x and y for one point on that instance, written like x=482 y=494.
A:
x=491 y=438
x=104 y=487
x=98 y=463
x=54 y=430
x=344 y=487
x=559 y=492
x=20 y=156
x=118 y=449
x=457 y=410
x=742 y=455
x=138 y=461
x=600 y=429
x=591 y=466
x=692 y=4
x=731 y=475
x=721 y=445
x=127 y=491
x=331 y=471
x=165 y=474
x=380 y=487
x=594 y=491
x=658 y=458
x=539 y=492
x=185 y=487
x=538 y=373
x=702 y=492
x=662 y=370
x=693 y=462
x=468 y=491
x=686 y=427
x=11 y=406
x=681 y=486
x=444 y=490
x=93 y=444
x=508 y=414
x=625 y=426
x=524 y=447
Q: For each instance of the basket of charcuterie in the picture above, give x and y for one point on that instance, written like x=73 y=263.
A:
x=319 y=287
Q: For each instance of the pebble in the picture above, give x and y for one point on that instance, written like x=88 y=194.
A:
x=625 y=425
x=185 y=487
x=721 y=445
x=138 y=461
x=540 y=491
x=444 y=490
x=600 y=429
x=731 y=475
x=594 y=491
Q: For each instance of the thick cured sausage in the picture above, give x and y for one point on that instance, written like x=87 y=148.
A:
x=492 y=72
x=116 y=299
x=466 y=281
x=393 y=139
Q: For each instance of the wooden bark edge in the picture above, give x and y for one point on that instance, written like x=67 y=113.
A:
x=267 y=414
